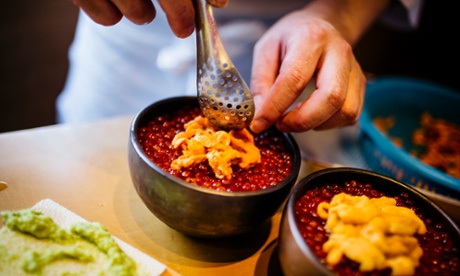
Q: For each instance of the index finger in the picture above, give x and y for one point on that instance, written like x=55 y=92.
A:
x=296 y=70
x=137 y=11
x=180 y=15
x=103 y=12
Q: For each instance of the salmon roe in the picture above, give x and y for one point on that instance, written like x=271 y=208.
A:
x=440 y=254
x=155 y=140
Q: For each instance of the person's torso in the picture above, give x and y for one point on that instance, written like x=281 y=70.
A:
x=259 y=8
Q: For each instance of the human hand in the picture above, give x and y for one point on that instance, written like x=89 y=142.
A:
x=299 y=48
x=180 y=13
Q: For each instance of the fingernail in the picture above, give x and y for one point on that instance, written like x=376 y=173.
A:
x=257 y=126
x=148 y=21
x=186 y=32
x=221 y=3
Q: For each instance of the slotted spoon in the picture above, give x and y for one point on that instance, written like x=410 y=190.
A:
x=223 y=95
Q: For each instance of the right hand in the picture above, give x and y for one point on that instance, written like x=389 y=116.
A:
x=180 y=13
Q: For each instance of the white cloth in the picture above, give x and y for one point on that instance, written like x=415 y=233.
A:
x=414 y=8
x=119 y=70
x=405 y=14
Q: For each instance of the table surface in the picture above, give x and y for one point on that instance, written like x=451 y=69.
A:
x=84 y=168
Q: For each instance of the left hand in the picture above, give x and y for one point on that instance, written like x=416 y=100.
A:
x=180 y=13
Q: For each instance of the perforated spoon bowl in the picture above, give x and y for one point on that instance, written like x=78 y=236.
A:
x=223 y=95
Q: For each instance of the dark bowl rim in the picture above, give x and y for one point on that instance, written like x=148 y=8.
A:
x=368 y=128
x=299 y=190
x=291 y=177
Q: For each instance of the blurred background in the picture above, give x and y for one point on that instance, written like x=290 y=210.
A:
x=35 y=36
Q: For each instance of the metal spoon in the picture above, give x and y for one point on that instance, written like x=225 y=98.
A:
x=223 y=95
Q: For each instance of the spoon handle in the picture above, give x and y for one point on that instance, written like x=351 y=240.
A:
x=209 y=44
x=223 y=95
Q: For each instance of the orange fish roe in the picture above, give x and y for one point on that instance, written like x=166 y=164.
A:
x=156 y=140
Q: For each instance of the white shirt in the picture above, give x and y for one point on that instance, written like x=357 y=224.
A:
x=119 y=70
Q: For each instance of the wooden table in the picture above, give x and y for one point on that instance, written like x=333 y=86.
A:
x=85 y=169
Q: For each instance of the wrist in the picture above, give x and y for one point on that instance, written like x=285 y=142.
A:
x=350 y=17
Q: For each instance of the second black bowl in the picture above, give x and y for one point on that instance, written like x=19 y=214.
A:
x=298 y=258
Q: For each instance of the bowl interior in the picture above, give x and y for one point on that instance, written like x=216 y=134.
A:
x=387 y=185
x=406 y=100
x=166 y=106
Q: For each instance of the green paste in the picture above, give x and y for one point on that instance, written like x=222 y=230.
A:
x=74 y=244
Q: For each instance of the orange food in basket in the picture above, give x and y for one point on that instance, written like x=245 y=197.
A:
x=440 y=140
x=384 y=125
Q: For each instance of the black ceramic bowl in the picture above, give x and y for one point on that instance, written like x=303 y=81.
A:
x=297 y=258
x=195 y=210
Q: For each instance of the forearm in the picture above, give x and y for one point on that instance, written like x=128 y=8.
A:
x=350 y=17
